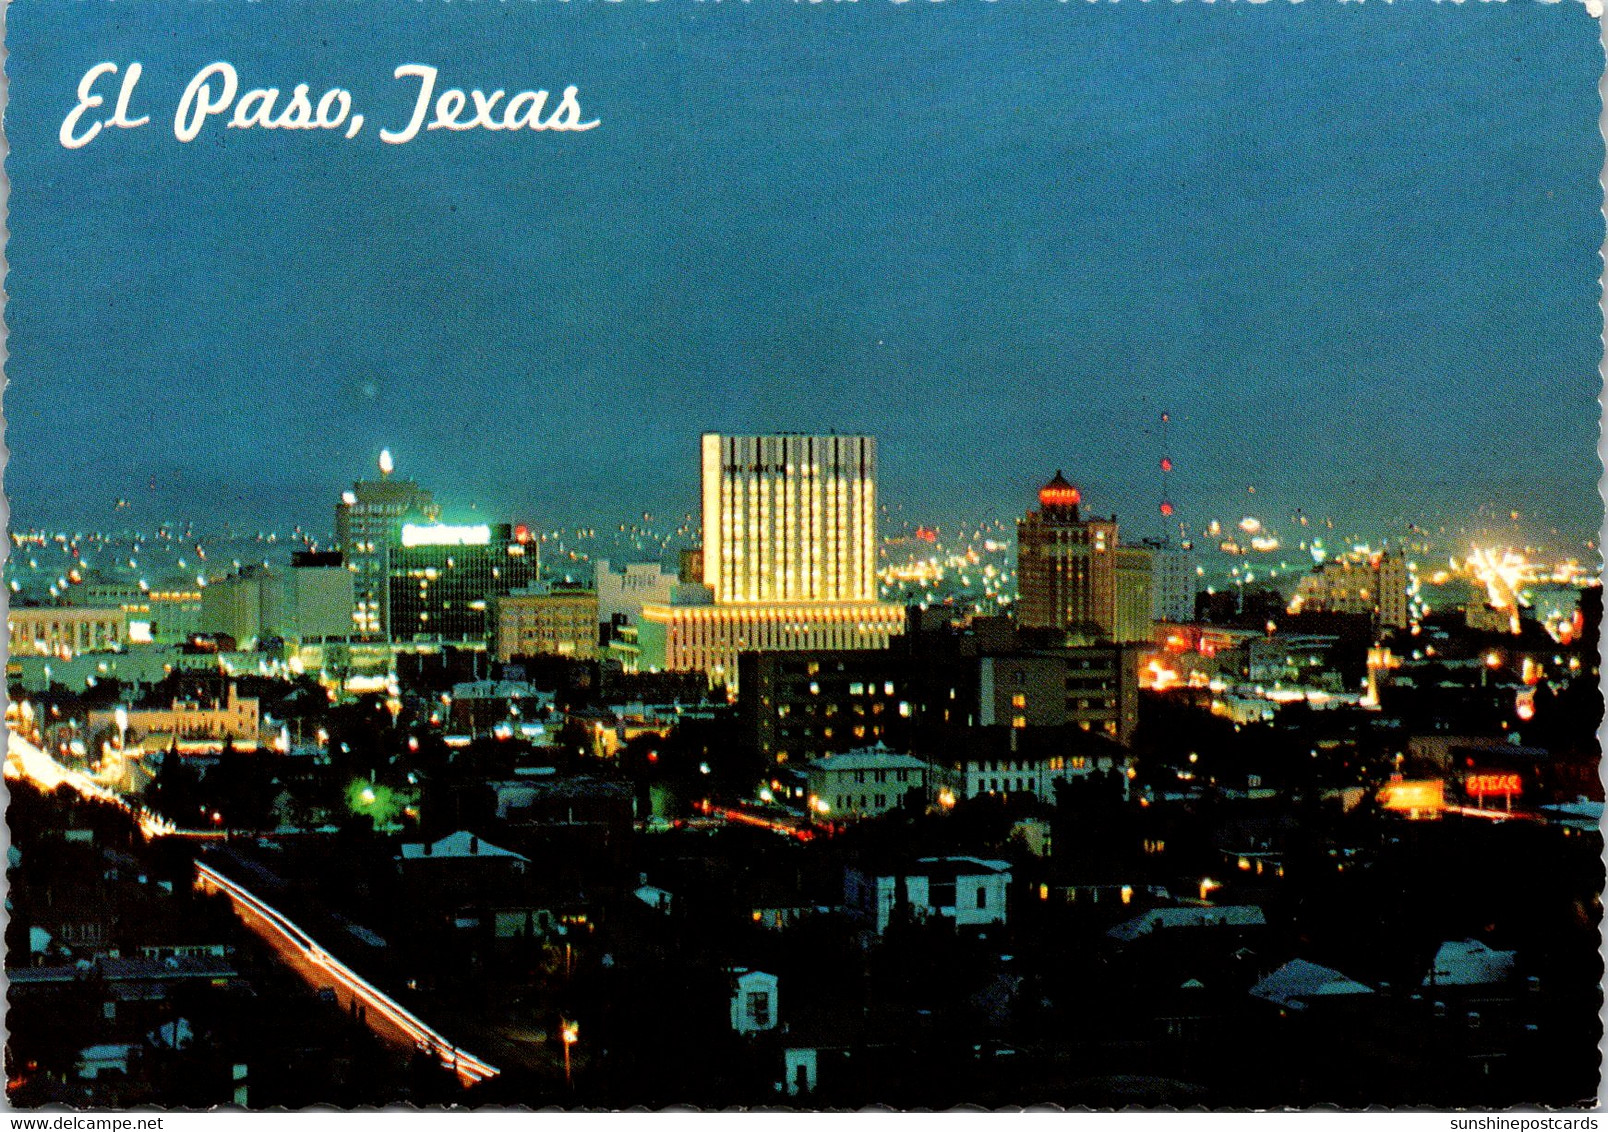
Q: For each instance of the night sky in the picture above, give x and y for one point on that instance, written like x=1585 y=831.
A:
x=1352 y=248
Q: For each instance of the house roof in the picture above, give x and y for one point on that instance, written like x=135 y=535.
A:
x=106 y=1052
x=1469 y=963
x=1298 y=981
x=654 y=897
x=951 y=867
x=129 y=969
x=460 y=845
x=869 y=758
x=1168 y=919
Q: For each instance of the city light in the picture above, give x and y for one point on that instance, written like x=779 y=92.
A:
x=445 y=534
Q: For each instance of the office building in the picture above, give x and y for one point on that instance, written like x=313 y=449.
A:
x=236 y=606
x=1172 y=582
x=368 y=521
x=621 y=594
x=441 y=579
x=1374 y=585
x=311 y=600
x=319 y=598
x=558 y=622
x=788 y=557
x=789 y=518
x=1074 y=578
x=933 y=690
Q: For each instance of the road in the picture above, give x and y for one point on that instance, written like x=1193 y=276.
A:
x=385 y=1017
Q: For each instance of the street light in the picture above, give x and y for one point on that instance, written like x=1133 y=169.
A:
x=571 y=1033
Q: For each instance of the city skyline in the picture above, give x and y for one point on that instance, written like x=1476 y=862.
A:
x=1382 y=312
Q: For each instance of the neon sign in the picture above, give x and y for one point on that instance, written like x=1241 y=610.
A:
x=1485 y=785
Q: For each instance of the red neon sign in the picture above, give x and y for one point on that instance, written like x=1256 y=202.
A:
x=1485 y=785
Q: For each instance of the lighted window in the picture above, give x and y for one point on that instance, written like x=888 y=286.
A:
x=1019 y=700
x=1019 y=721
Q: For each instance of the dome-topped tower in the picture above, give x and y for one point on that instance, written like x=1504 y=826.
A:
x=1060 y=495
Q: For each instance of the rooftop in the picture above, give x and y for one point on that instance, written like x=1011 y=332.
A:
x=1166 y=919
x=460 y=845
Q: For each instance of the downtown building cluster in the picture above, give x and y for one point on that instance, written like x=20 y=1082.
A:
x=742 y=830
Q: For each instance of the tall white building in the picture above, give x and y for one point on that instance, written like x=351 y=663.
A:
x=621 y=594
x=789 y=556
x=790 y=518
x=1172 y=585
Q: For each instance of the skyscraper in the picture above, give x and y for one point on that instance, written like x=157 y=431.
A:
x=368 y=520
x=789 y=556
x=442 y=579
x=1073 y=577
x=790 y=518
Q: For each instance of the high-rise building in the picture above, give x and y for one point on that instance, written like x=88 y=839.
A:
x=789 y=556
x=318 y=599
x=1072 y=575
x=1172 y=582
x=441 y=579
x=368 y=521
x=790 y=518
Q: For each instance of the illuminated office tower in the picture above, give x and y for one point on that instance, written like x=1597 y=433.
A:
x=1073 y=577
x=789 y=557
x=790 y=518
x=442 y=579
x=368 y=520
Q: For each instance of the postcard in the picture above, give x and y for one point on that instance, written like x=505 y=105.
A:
x=598 y=554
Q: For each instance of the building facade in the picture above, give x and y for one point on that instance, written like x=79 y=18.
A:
x=559 y=622
x=621 y=594
x=863 y=783
x=1172 y=582
x=709 y=638
x=232 y=719
x=441 y=579
x=1072 y=575
x=368 y=521
x=790 y=518
x=60 y=630
x=1093 y=688
x=789 y=557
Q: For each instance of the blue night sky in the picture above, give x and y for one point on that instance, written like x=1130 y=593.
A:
x=1352 y=248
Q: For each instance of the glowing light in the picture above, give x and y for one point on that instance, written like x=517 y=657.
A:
x=469 y=1067
x=1059 y=493
x=387 y=465
x=1487 y=785
x=445 y=534
x=1414 y=798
